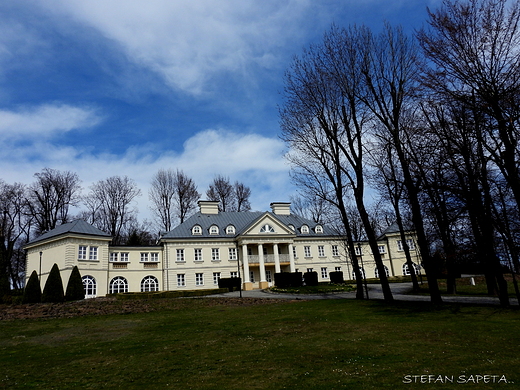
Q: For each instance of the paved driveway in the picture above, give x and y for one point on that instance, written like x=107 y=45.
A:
x=399 y=292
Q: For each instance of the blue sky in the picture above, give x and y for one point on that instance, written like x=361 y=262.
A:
x=126 y=87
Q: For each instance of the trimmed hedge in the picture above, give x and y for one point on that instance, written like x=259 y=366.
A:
x=310 y=278
x=33 y=290
x=336 y=277
x=75 y=290
x=288 y=279
x=169 y=294
x=53 y=290
x=232 y=284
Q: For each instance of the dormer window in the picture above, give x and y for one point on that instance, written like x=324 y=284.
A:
x=292 y=227
x=267 y=229
x=213 y=229
x=196 y=230
x=230 y=229
x=318 y=229
x=305 y=229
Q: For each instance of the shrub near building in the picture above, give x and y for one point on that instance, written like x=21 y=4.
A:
x=53 y=290
x=75 y=290
x=33 y=290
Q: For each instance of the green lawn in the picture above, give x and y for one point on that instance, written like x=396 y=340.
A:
x=210 y=344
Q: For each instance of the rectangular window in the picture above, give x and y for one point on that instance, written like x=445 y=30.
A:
x=410 y=243
x=233 y=274
x=144 y=256
x=113 y=257
x=335 y=251
x=321 y=251
x=251 y=276
x=92 y=254
x=337 y=269
x=124 y=257
x=216 y=277
x=154 y=256
x=324 y=274
x=294 y=252
x=199 y=279
x=382 y=249
x=181 y=281
x=198 y=254
x=358 y=251
x=309 y=269
x=82 y=252
x=215 y=254
x=180 y=255
x=268 y=276
x=307 y=251
x=232 y=253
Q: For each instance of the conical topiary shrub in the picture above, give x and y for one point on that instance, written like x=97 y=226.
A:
x=53 y=290
x=33 y=290
x=75 y=290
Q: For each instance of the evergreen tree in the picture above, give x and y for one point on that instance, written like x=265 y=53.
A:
x=75 y=290
x=53 y=290
x=33 y=290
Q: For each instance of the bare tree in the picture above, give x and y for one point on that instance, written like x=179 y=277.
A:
x=473 y=55
x=50 y=197
x=173 y=195
x=186 y=196
x=323 y=105
x=14 y=224
x=110 y=201
x=242 y=194
x=222 y=191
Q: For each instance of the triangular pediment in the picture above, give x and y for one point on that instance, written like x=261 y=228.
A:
x=267 y=225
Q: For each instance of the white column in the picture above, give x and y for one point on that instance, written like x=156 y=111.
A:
x=276 y=259
x=261 y=264
x=291 y=259
x=245 y=262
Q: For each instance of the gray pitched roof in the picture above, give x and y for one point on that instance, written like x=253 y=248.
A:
x=78 y=227
x=241 y=221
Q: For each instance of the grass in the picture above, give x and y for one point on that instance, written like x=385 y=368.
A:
x=206 y=343
x=464 y=286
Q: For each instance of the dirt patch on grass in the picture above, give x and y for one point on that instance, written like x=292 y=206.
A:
x=107 y=306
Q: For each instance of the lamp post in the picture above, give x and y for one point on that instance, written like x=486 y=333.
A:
x=40 y=275
x=363 y=269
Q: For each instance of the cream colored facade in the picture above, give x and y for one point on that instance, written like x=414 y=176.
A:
x=208 y=246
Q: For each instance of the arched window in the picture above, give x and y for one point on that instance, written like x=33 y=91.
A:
x=90 y=286
x=267 y=229
x=305 y=229
x=362 y=273
x=196 y=230
x=118 y=285
x=213 y=229
x=318 y=229
x=386 y=272
x=406 y=270
x=292 y=227
x=149 y=283
x=230 y=229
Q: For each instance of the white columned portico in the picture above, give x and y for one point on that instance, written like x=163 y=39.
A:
x=263 y=281
x=276 y=259
x=245 y=261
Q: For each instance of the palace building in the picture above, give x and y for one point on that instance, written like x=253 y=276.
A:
x=208 y=246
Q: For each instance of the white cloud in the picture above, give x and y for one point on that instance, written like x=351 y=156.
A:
x=190 y=42
x=44 y=121
x=255 y=160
